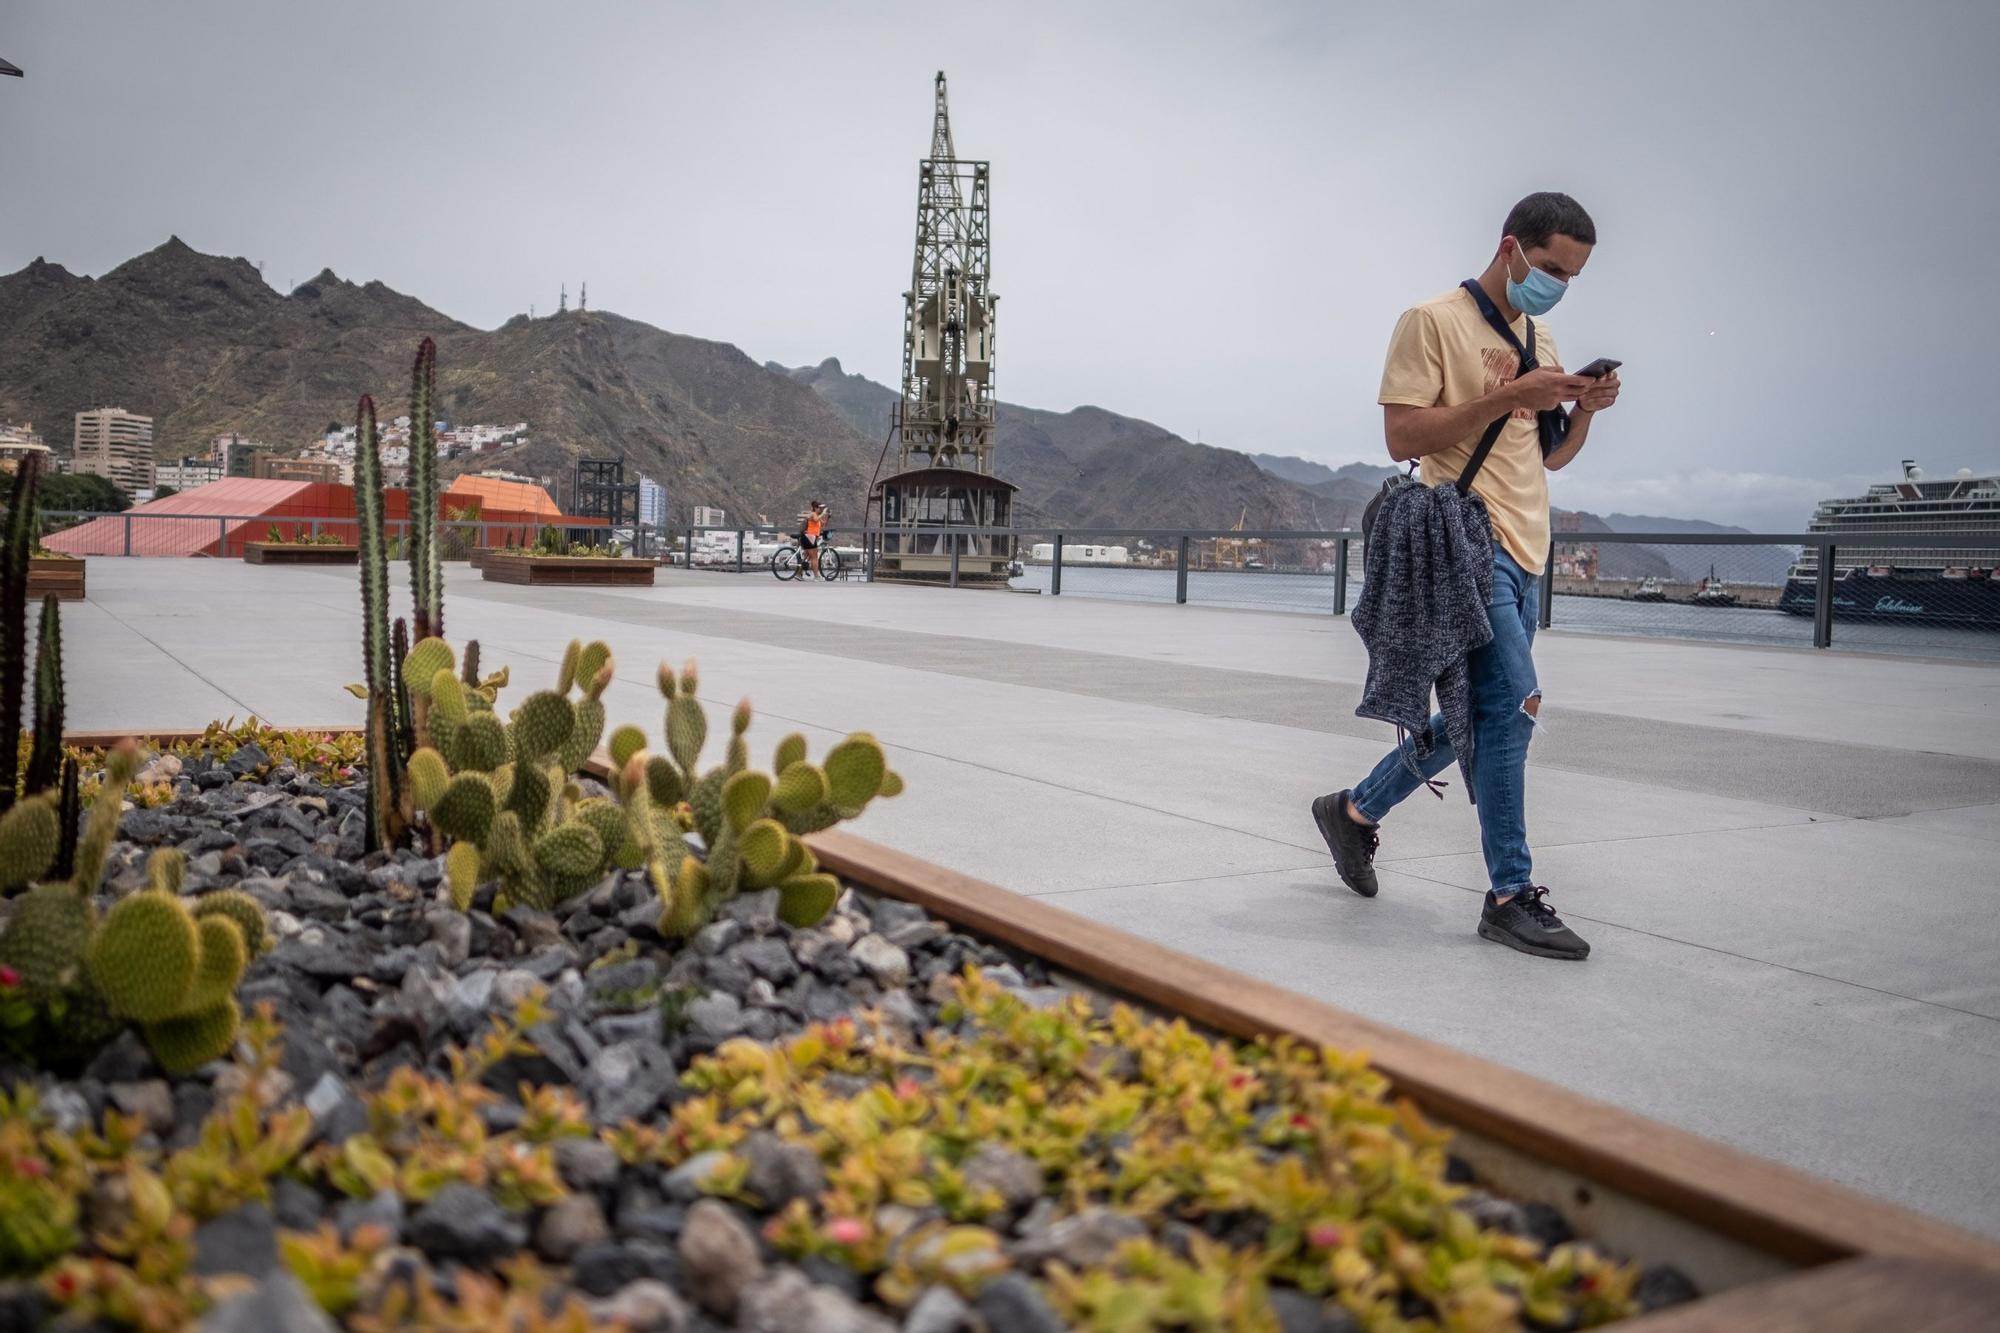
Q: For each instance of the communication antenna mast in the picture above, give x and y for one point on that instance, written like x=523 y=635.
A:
x=583 y=297
x=563 y=303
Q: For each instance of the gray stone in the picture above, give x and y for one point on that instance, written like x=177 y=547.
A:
x=586 y=1164
x=646 y=1025
x=882 y=960
x=452 y=932
x=645 y=1306
x=891 y=913
x=461 y=1222
x=1011 y=1302
x=1300 y=1313
x=1085 y=1240
x=124 y=1060
x=714 y=1018
x=384 y=1210
x=24 y=1307
x=549 y=962
x=770 y=958
x=684 y=1182
x=536 y=929
x=242 y=1240
x=778 y=1172
x=601 y=1269
x=151 y=1100
x=626 y=1081
x=915 y=934
x=787 y=1301
x=65 y=1108
x=1014 y=1176
x=568 y=1226
x=278 y=1304
x=717 y=936
x=757 y=911
x=938 y=1310
x=726 y=974
x=295 y=1206
x=338 y=1115
x=513 y=986
x=720 y=1256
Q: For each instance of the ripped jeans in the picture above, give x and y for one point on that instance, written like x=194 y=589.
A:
x=1503 y=681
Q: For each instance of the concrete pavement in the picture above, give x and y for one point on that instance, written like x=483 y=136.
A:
x=1785 y=861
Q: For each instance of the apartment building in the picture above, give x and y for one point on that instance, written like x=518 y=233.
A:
x=114 y=444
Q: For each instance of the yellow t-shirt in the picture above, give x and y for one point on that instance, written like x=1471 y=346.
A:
x=1444 y=353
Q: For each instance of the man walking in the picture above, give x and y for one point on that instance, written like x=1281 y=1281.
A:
x=1455 y=365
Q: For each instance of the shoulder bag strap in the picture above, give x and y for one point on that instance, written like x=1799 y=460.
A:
x=1553 y=426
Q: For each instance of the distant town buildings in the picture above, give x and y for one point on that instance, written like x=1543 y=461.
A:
x=327 y=470
x=18 y=442
x=117 y=445
x=187 y=474
x=707 y=516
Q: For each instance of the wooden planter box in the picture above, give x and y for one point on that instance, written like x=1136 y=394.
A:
x=294 y=553
x=1773 y=1250
x=478 y=555
x=61 y=575
x=620 y=572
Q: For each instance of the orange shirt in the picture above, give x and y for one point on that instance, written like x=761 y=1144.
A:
x=814 y=524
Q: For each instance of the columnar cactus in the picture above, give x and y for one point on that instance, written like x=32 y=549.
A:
x=17 y=546
x=426 y=561
x=385 y=752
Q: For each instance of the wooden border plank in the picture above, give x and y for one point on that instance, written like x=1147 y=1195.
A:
x=1768 y=1207
x=1867 y=1295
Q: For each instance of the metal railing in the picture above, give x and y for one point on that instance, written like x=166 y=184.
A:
x=1783 y=588
x=1780 y=588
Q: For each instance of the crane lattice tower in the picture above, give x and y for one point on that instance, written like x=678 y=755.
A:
x=946 y=417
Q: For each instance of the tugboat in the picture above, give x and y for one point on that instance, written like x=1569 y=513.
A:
x=1649 y=590
x=1711 y=592
x=1928 y=584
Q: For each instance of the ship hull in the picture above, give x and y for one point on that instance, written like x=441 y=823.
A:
x=1925 y=599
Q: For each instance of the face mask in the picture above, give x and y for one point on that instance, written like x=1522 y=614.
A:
x=1535 y=294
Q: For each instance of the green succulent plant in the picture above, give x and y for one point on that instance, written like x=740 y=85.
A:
x=750 y=823
x=502 y=793
x=155 y=960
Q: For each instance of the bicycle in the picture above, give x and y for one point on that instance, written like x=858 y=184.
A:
x=791 y=561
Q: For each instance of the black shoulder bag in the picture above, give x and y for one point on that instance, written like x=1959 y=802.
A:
x=1553 y=426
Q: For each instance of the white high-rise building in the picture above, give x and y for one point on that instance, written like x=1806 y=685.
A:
x=708 y=516
x=652 y=503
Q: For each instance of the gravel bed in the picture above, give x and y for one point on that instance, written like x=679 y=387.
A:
x=373 y=971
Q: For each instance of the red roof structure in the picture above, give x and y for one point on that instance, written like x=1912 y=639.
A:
x=217 y=519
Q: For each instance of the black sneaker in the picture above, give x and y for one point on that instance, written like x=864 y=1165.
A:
x=1353 y=845
x=1527 y=922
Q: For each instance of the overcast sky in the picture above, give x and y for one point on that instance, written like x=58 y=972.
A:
x=1208 y=216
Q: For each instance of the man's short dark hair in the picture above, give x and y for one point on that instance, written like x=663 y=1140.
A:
x=1547 y=213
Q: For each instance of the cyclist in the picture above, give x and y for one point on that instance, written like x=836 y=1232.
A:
x=810 y=533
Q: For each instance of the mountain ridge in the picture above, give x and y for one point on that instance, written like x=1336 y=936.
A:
x=204 y=345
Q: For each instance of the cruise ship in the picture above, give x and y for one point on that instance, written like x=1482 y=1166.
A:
x=1932 y=585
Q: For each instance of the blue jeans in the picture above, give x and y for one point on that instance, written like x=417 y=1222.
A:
x=1503 y=680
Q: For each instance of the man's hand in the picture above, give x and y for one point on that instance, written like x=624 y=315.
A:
x=1601 y=394
x=1545 y=388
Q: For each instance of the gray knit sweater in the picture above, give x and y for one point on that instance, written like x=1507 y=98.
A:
x=1428 y=575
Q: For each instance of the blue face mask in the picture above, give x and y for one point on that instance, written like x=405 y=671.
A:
x=1535 y=294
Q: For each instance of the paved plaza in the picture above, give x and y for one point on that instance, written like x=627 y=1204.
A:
x=1787 y=863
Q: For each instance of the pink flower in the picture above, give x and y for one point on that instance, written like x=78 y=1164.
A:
x=1300 y=1120
x=9 y=977
x=1324 y=1236
x=846 y=1230
x=34 y=1168
x=907 y=1088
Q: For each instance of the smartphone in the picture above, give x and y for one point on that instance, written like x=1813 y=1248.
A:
x=1599 y=368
